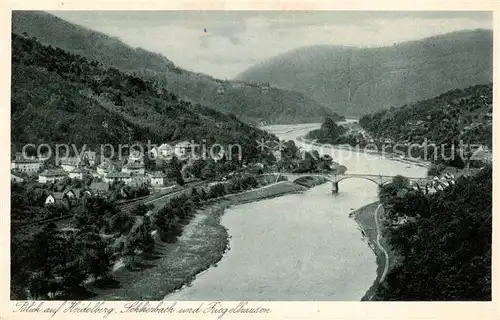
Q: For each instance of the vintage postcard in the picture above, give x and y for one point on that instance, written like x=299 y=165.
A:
x=276 y=161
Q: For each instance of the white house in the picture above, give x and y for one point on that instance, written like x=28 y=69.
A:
x=57 y=199
x=157 y=179
x=69 y=164
x=28 y=166
x=134 y=169
x=76 y=173
x=53 y=175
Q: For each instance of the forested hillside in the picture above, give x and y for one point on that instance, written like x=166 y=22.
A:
x=445 y=246
x=252 y=103
x=60 y=97
x=382 y=77
x=453 y=116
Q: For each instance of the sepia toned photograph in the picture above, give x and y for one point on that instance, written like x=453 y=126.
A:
x=251 y=156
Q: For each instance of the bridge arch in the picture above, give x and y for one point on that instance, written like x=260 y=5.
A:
x=359 y=177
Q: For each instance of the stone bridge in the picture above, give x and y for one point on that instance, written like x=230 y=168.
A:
x=380 y=180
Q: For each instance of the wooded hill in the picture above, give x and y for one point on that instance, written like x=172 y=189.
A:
x=249 y=102
x=448 y=118
x=381 y=77
x=60 y=97
x=446 y=251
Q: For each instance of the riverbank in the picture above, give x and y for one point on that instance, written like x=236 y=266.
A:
x=174 y=265
x=366 y=220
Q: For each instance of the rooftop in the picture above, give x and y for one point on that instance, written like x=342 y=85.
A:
x=24 y=160
x=114 y=175
x=134 y=165
x=105 y=165
x=57 y=195
x=157 y=174
x=54 y=173
x=70 y=161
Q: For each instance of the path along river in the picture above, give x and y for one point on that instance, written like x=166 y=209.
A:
x=299 y=246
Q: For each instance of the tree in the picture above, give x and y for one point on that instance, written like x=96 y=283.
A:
x=179 y=179
x=121 y=222
x=94 y=259
x=400 y=182
x=195 y=196
x=141 y=209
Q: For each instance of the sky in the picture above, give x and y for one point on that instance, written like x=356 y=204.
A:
x=225 y=43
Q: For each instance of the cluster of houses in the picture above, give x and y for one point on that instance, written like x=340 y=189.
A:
x=132 y=172
x=435 y=185
x=71 y=196
x=440 y=183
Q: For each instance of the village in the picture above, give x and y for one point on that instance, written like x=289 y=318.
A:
x=89 y=176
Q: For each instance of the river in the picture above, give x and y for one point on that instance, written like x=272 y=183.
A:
x=299 y=246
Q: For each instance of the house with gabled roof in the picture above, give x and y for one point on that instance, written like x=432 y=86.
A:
x=57 y=199
x=76 y=173
x=157 y=179
x=52 y=175
x=16 y=177
x=73 y=195
x=69 y=163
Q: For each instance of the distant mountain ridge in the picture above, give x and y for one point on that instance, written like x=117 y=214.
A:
x=382 y=77
x=251 y=103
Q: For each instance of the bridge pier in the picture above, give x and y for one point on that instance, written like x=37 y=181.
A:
x=335 y=187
